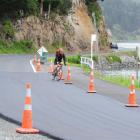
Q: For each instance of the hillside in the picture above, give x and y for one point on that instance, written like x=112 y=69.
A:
x=123 y=18
x=67 y=24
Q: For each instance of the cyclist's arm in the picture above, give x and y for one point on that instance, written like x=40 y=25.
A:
x=55 y=60
x=64 y=59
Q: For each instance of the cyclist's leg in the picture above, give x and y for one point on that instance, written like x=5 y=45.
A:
x=60 y=73
x=54 y=72
x=57 y=73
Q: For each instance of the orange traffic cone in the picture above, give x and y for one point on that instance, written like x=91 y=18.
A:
x=132 y=96
x=68 y=80
x=26 y=127
x=91 y=87
x=51 y=68
x=35 y=60
x=38 y=65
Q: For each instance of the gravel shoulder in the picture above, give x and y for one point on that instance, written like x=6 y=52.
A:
x=8 y=132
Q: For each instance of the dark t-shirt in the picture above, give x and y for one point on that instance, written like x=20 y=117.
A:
x=59 y=57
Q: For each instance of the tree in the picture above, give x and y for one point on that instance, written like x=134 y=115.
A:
x=58 y=6
x=41 y=7
x=11 y=8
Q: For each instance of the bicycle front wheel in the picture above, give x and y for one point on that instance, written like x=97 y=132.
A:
x=59 y=75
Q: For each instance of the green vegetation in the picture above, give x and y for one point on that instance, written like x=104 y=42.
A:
x=21 y=8
x=71 y=63
x=86 y=69
x=74 y=59
x=113 y=58
x=128 y=53
x=93 y=6
x=17 y=47
x=60 y=7
x=95 y=59
x=12 y=8
x=119 y=80
x=7 y=31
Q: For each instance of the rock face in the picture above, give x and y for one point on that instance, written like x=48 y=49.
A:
x=83 y=27
x=73 y=31
x=43 y=31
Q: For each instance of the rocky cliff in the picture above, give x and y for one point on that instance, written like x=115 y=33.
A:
x=72 y=31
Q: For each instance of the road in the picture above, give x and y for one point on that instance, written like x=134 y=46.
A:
x=104 y=88
x=65 y=111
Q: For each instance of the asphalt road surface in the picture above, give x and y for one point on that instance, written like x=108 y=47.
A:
x=65 y=111
x=119 y=93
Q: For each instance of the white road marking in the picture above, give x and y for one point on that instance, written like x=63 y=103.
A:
x=32 y=66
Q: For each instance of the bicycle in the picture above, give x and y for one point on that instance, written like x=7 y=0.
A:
x=57 y=73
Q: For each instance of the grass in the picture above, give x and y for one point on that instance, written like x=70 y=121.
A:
x=74 y=59
x=128 y=53
x=17 y=47
x=119 y=80
x=68 y=63
x=113 y=58
x=86 y=69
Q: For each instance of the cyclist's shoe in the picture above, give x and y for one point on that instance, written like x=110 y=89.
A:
x=53 y=73
x=58 y=78
x=53 y=78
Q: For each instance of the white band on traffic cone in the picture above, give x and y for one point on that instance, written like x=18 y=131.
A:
x=132 y=82
x=27 y=107
x=91 y=80
x=91 y=73
x=132 y=92
x=28 y=93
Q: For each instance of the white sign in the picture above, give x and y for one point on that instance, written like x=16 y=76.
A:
x=93 y=38
x=41 y=50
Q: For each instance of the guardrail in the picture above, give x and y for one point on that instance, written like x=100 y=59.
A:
x=88 y=61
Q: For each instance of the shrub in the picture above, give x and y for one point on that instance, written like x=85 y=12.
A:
x=8 y=29
x=17 y=47
x=95 y=58
x=74 y=59
x=113 y=58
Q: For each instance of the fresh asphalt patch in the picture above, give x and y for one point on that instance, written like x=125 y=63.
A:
x=67 y=111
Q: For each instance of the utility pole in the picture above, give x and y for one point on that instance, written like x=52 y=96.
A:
x=97 y=40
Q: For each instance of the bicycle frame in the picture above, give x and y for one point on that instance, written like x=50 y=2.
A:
x=57 y=74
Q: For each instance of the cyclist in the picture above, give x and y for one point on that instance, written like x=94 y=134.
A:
x=58 y=61
x=59 y=56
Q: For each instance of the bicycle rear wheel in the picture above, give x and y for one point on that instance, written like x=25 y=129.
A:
x=59 y=75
